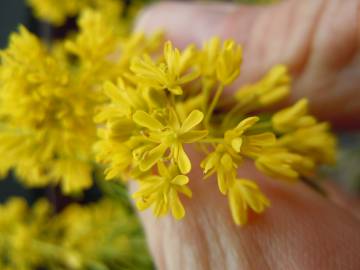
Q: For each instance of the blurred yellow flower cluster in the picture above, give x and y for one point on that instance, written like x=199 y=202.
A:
x=175 y=99
x=99 y=236
x=48 y=97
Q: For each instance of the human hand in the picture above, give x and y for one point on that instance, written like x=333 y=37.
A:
x=319 y=40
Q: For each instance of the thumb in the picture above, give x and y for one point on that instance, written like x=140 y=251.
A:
x=317 y=39
x=301 y=230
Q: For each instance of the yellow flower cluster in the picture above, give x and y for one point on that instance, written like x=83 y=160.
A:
x=48 y=98
x=169 y=105
x=103 y=235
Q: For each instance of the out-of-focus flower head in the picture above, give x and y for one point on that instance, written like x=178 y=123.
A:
x=103 y=235
x=49 y=95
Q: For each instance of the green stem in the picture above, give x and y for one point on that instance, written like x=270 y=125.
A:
x=261 y=127
x=230 y=114
x=206 y=89
x=314 y=185
x=212 y=140
x=213 y=104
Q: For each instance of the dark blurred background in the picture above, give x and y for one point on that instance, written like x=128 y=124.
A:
x=12 y=12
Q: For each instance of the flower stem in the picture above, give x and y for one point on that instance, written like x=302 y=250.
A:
x=212 y=140
x=314 y=185
x=213 y=104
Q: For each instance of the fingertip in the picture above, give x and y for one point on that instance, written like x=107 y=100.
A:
x=185 y=23
x=146 y=20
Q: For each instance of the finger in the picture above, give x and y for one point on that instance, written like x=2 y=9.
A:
x=301 y=230
x=317 y=39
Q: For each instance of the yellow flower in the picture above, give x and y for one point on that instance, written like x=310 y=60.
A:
x=245 y=194
x=224 y=164
x=170 y=74
x=125 y=100
x=228 y=63
x=137 y=44
x=170 y=136
x=279 y=163
x=248 y=144
x=236 y=144
x=314 y=141
x=208 y=58
x=303 y=134
x=117 y=154
x=161 y=191
x=292 y=118
x=273 y=87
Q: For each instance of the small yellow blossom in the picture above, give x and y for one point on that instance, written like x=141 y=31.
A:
x=229 y=61
x=245 y=194
x=314 y=141
x=170 y=136
x=171 y=74
x=208 y=58
x=303 y=134
x=237 y=145
x=248 y=144
x=292 y=118
x=225 y=166
x=137 y=44
x=279 y=163
x=273 y=87
x=118 y=155
x=161 y=191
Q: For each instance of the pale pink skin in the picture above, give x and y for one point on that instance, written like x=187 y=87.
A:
x=320 y=41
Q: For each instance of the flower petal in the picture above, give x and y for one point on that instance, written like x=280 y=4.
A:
x=146 y=120
x=177 y=209
x=236 y=144
x=180 y=180
x=253 y=196
x=152 y=157
x=163 y=170
x=238 y=206
x=246 y=123
x=193 y=119
x=184 y=190
x=183 y=161
x=176 y=90
x=193 y=136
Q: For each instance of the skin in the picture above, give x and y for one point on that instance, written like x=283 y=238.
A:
x=320 y=42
